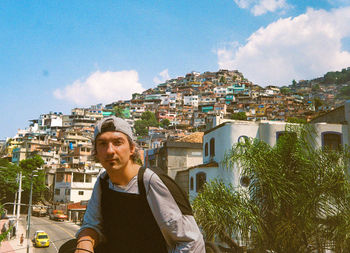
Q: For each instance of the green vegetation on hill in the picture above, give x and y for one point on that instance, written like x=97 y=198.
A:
x=337 y=77
x=344 y=92
x=148 y=119
x=239 y=116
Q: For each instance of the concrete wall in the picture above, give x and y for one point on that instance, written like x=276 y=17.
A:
x=182 y=158
x=181 y=179
x=335 y=116
x=75 y=197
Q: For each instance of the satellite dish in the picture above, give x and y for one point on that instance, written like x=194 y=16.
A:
x=245 y=181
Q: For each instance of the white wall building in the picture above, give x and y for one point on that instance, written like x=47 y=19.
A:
x=220 y=91
x=74 y=186
x=191 y=100
x=219 y=140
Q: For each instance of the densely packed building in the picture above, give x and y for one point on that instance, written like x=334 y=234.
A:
x=192 y=103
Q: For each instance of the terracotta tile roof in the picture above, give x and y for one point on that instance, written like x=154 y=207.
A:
x=196 y=137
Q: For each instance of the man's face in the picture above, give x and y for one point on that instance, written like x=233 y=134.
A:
x=113 y=151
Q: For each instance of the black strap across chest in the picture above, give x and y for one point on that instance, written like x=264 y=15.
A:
x=128 y=223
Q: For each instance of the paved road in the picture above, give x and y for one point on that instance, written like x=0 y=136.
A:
x=58 y=231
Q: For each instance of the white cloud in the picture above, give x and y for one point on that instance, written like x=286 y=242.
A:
x=265 y=6
x=260 y=7
x=244 y=4
x=101 y=87
x=161 y=77
x=303 y=47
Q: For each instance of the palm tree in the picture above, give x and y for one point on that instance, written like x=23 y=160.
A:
x=297 y=197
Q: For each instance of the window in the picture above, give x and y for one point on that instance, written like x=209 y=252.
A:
x=331 y=140
x=59 y=177
x=78 y=177
x=88 y=179
x=212 y=147
x=191 y=184
x=67 y=191
x=284 y=133
x=206 y=149
x=243 y=139
x=57 y=191
x=201 y=178
x=81 y=193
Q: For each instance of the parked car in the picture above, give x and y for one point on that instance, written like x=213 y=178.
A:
x=41 y=239
x=39 y=211
x=57 y=215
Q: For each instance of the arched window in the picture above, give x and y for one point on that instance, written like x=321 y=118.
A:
x=212 y=147
x=191 y=184
x=242 y=139
x=201 y=178
x=206 y=149
x=331 y=140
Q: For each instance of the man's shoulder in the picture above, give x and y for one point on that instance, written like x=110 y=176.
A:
x=157 y=176
x=154 y=171
x=102 y=176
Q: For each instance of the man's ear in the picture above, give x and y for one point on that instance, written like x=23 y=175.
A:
x=132 y=149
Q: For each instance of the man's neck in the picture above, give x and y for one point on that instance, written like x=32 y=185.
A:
x=122 y=177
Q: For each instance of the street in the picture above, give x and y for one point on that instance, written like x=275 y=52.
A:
x=59 y=232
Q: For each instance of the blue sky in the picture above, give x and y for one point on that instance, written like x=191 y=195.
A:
x=57 y=55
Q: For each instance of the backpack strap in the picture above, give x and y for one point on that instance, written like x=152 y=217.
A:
x=140 y=183
x=104 y=182
x=178 y=194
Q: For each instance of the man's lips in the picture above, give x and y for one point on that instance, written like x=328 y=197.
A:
x=111 y=160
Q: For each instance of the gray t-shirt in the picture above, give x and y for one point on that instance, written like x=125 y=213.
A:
x=180 y=232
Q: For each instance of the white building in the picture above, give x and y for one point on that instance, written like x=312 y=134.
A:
x=73 y=185
x=219 y=140
x=220 y=91
x=191 y=100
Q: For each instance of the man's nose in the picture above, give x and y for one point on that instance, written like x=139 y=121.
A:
x=110 y=148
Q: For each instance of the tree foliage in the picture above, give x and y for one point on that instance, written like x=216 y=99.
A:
x=298 y=199
x=165 y=123
x=316 y=87
x=318 y=102
x=148 y=119
x=118 y=111
x=239 y=116
x=9 y=183
x=3 y=235
x=337 y=77
x=286 y=90
x=141 y=127
x=296 y=120
x=344 y=92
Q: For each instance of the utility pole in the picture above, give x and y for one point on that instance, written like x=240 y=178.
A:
x=30 y=208
x=29 y=212
x=19 y=198
x=14 y=204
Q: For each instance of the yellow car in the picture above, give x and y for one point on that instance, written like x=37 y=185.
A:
x=41 y=239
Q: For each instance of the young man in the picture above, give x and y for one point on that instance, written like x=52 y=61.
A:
x=133 y=209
